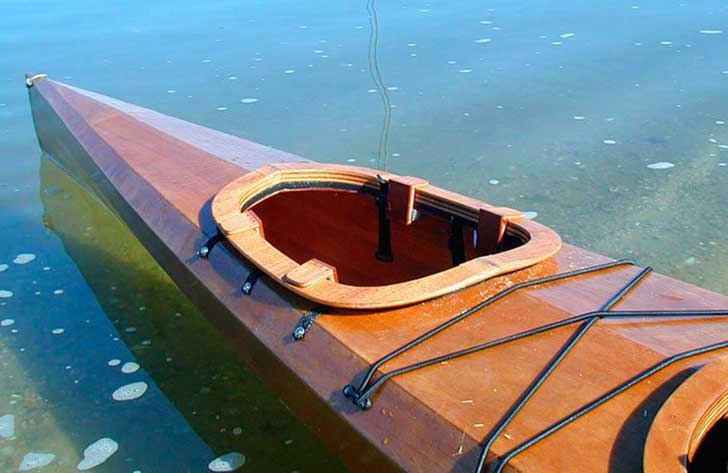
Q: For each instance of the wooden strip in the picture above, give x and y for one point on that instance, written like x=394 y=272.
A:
x=491 y=228
x=239 y=222
x=401 y=195
x=310 y=273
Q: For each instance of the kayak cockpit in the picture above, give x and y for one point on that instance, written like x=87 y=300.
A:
x=353 y=237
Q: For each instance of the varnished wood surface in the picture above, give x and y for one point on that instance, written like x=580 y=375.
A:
x=685 y=419
x=538 y=242
x=156 y=174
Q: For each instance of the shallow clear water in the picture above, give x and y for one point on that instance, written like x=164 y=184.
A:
x=564 y=109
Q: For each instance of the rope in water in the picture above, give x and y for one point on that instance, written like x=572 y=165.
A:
x=383 y=150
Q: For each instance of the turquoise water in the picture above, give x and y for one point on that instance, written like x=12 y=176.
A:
x=608 y=122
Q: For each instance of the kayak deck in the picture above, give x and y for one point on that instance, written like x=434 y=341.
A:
x=160 y=174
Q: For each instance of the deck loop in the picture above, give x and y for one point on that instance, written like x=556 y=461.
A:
x=30 y=81
x=250 y=281
x=306 y=322
x=205 y=249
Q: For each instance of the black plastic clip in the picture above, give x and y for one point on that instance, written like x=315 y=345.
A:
x=384 y=251
x=305 y=323
x=250 y=281
x=205 y=250
x=455 y=242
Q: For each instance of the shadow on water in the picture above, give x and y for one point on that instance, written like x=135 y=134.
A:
x=225 y=404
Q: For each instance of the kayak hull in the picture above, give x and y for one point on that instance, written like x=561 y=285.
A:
x=160 y=175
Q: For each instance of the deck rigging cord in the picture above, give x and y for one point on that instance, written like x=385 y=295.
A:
x=383 y=150
x=501 y=463
x=362 y=396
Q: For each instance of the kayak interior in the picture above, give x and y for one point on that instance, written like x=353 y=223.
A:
x=356 y=238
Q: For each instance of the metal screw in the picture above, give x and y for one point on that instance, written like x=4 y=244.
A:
x=299 y=333
x=247 y=287
x=204 y=251
x=364 y=404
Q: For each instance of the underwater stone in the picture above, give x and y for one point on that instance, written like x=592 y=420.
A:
x=97 y=453
x=7 y=426
x=228 y=462
x=661 y=165
x=130 y=367
x=130 y=392
x=35 y=460
x=24 y=258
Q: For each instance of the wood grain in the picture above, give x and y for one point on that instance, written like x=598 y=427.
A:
x=684 y=420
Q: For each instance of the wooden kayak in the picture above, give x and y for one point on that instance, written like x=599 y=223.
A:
x=411 y=328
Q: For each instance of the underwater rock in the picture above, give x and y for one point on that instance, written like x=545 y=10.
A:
x=7 y=426
x=661 y=165
x=24 y=258
x=35 y=460
x=130 y=367
x=228 y=462
x=130 y=392
x=97 y=453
